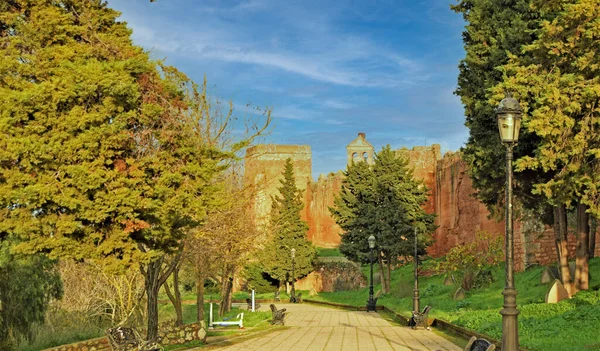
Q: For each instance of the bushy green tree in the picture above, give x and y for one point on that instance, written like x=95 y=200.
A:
x=104 y=154
x=494 y=30
x=288 y=231
x=385 y=201
x=558 y=75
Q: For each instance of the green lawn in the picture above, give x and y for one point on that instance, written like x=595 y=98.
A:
x=571 y=324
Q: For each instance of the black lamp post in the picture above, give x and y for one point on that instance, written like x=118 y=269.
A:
x=416 y=298
x=509 y=121
x=293 y=294
x=371 y=304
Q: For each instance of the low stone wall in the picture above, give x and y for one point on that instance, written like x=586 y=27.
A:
x=333 y=276
x=170 y=335
x=97 y=344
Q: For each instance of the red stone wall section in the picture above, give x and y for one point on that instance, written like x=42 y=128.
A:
x=263 y=166
x=542 y=247
x=459 y=214
x=423 y=160
x=323 y=230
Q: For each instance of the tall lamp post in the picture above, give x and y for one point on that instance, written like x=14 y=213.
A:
x=509 y=121
x=293 y=294
x=371 y=304
x=416 y=298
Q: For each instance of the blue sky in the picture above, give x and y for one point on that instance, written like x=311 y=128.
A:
x=328 y=68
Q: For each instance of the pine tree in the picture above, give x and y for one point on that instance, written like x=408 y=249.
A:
x=384 y=201
x=288 y=231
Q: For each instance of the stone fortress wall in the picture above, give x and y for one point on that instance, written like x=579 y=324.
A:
x=451 y=197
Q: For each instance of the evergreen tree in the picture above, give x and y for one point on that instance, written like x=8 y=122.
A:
x=384 y=201
x=288 y=231
x=104 y=154
x=558 y=75
x=493 y=31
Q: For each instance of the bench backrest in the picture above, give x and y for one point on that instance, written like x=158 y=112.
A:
x=123 y=336
x=426 y=309
x=273 y=308
x=479 y=345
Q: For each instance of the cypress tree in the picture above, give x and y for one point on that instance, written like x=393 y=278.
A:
x=288 y=231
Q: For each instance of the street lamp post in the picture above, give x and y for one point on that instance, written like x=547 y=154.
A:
x=371 y=304
x=509 y=121
x=293 y=294
x=416 y=298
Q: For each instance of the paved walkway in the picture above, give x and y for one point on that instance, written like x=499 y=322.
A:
x=316 y=328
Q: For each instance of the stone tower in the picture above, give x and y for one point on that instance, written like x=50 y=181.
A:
x=360 y=150
x=263 y=169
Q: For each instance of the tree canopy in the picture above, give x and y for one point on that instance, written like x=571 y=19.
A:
x=105 y=154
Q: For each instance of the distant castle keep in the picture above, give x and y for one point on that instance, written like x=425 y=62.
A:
x=451 y=197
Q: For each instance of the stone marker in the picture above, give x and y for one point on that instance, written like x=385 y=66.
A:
x=556 y=293
x=459 y=294
x=448 y=280
x=312 y=292
x=550 y=274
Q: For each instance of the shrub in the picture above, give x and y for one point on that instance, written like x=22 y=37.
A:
x=471 y=263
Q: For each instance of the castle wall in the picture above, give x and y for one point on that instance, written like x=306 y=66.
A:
x=423 y=159
x=452 y=198
x=459 y=214
x=323 y=230
x=263 y=167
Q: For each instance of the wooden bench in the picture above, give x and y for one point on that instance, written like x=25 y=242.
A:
x=476 y=344
x=278 y=315
x=420 y=319
x=249 y=302
x=277 y=298
x=211 y=323
x=296 y=299
x=124 y=339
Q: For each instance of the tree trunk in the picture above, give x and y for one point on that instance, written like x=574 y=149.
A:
x=582 y=249
x=382 y=274
x=200 y=297
x=388 y=276
x=175 y=302
x=560 y=232
x=226 y=291
x=152 y=285
x=593 y=228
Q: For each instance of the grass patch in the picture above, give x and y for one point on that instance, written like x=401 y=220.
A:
x=325 y=252
x=571 y=324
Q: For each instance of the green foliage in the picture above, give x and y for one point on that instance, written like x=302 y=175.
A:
x=288 y=232
x=471 y=263
x=558 y=77
x=384 y=201
x=493 y=31
x=27 y=285
x=257 y=279
x=326 y=252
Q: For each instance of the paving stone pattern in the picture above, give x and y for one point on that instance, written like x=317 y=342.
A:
x=316 y=328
